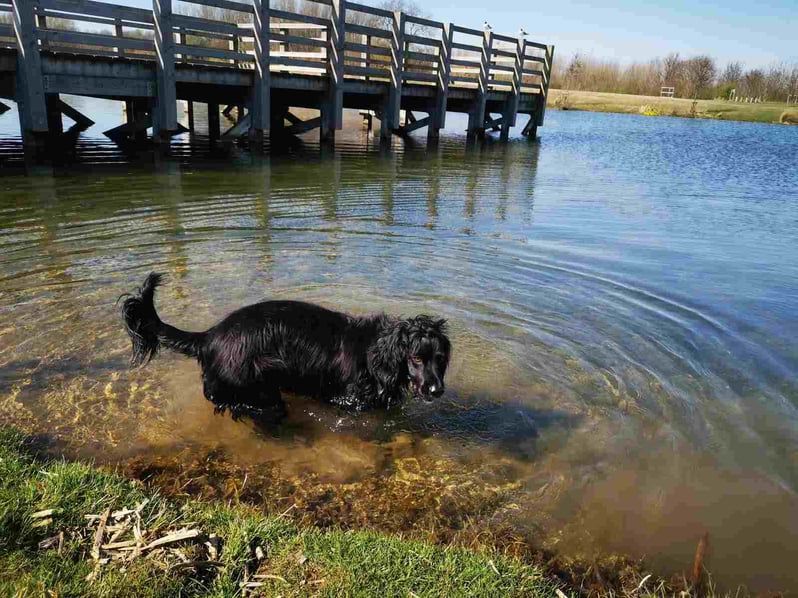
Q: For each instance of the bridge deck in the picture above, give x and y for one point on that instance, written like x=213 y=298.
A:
x=337 y=54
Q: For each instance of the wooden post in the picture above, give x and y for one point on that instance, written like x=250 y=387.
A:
x=333 y=112
x=120 y=33
x=392 y=116
x=438 y=119
x=261 y=94
x=55 y=123
x=476 y=124
x=510 y=114
x=213 y=121
x=547 y=72
x=190 y=112
x=30 y=85
x=166 y=99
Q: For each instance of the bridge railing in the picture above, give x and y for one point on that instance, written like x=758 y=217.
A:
x=7 y=39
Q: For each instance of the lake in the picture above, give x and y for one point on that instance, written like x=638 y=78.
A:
x=622 y=296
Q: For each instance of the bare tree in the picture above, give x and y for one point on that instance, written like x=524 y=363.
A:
x=753 y=83
x=672 y=67
x=699 y=73
x=732 y=73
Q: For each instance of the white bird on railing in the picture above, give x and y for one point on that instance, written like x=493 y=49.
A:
x=486 y=26
x=522 y=32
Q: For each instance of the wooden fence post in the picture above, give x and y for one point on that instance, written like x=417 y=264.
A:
x=438 y=120
x=261 y=102
x=545 y=86
x=476 y=123
x=392 y=120
x=166 y=100
x=120 y=33
x=30 y=84
x=333 y=109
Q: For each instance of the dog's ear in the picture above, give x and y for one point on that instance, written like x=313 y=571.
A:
x=387 y=357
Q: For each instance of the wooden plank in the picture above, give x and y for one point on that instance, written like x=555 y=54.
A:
x=220 y=53
x=165 y=113
x=421 y=57
x=505 y=38
x=466 y=47
x=297 y=39
x=371 y=10
x=422 y=41
x=261 y=94
x=306 y=55
x=99 y=9
x=539 y=46
x=303 y=126
x=544 y=90
x=83 y=121
x=95 y=39
x=533 y=72
x=199 y=24
x=225 y=5
x=297 y=62
x=501 y=67
x=459 y=79
x=416 y=76
x=302 y=26
x=415 y=125
x=467 y=31
x=371 y=50
x=476 y=120
x=464 y=62
x=424 y=22
x=298 y=18
x=361 y=71
x=366 y=30
x=30 y=92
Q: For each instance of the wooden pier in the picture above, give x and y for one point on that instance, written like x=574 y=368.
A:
x=263 y=63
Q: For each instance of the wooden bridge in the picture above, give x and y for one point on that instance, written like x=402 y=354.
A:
x=262 y=63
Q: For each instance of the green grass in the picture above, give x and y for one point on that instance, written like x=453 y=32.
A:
x=303 y=562
x=767 y=112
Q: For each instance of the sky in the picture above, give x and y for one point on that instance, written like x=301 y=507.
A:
x=757 y=33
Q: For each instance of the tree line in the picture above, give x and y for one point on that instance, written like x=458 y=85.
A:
x=697 y=77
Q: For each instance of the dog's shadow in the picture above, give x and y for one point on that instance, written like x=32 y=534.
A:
x=510 y=426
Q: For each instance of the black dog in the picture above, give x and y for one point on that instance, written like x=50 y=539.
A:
x=259 y=350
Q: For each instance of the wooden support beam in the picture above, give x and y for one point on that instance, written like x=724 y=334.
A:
x=494 y=124
x=303 y=126
x=213 y=121
x=477 y=117
x=415 y=125
x=4 y=108
x=544 y=97
x=261 y=93
x=190 y=112
x=239 y=129
x=55 y=124
x=82 y=122
x=166 y=100
x=444 y=72
x=333 y=112
x=30 y=84
x=394 y=105
x=531 y=128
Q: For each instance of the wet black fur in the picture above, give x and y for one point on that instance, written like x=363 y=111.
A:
x=258 y=351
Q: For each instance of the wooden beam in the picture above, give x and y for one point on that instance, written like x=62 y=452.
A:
x=261 y=93
x=544 y=97
x=303 y=126
x=414 y=126
x=335 y=57
x=444 y=72
x=166 y=100
x=477 y=120
x=397 y=67
x=30 y=86
x=81 y=120
x=213 y=121
x=239 y=129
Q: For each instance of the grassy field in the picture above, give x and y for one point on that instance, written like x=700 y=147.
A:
x=768 y=112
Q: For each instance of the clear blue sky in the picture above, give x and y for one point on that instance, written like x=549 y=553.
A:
x=756 y=32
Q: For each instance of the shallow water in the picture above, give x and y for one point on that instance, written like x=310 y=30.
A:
x=622 y=298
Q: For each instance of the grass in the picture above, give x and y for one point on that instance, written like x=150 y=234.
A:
x=767 y=112
x=298 y=561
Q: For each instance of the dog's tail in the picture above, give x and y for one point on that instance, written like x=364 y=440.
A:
x=146 y=330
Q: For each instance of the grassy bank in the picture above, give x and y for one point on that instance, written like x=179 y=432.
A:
x=768 y=112
x=67 y=529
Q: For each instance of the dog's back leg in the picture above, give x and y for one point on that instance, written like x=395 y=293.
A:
x=259 y=400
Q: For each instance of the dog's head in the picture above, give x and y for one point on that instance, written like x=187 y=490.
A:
x=414 y=353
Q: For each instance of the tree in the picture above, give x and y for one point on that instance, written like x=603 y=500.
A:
x=732 y=73
x=672 y=67
x=699 y=73
x=575 y=72
x=753 y=83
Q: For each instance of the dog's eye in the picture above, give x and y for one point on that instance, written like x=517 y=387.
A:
x=417 y=360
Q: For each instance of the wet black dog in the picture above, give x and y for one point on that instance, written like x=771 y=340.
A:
x=260 y=350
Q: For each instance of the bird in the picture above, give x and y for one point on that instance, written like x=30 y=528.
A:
x=522 y=32
x=486 y=26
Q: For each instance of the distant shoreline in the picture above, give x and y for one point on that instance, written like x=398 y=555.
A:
x=591 y=101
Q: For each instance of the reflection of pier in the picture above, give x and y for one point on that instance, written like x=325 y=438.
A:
x=265 y=62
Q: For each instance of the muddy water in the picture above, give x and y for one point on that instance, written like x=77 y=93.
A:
x=622 y=299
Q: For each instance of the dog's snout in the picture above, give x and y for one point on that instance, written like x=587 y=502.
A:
x=436 y=390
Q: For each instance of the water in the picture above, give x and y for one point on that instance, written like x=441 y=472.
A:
x=622 y=299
